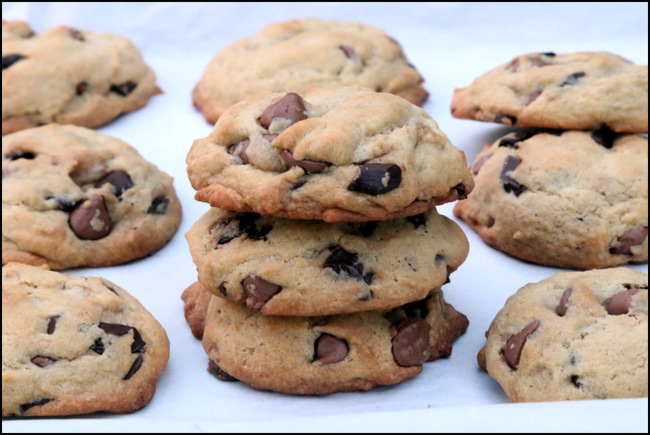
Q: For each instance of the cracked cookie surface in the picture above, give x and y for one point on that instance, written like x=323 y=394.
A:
x=337 y=154
x=573 y=91
x=69 y=76
x=566 y=199
x=572 y=336
x=292 y=55
x=75 y=197
x=75 y=345
x=325 y=354
x=309 y=268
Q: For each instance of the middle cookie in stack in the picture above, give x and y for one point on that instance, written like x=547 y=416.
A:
x=331 y=247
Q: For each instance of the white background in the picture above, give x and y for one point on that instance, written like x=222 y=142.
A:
x=450 y=44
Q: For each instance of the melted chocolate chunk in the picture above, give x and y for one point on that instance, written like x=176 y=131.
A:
x=511 y=140
x=43 y=361
x=51 y=324
x=158 y=205
x=309 y=166
x=410 y=345
x=350 y=53
x=91 y=220
x=243 y=145
x=19 y=154
x=248 y=224
x=632 y=238
x=40 y=402
x=343 y=261
x=509 y=184
x=115 y=328
x=329 y=349
x=575 y=380
x=515 y=344
x=138 y=343
x=604 y=136
x=572 y=79
x=10 y=59
x=98 y=346
x=461 y=190
x=222 y=289
x=376 y=178
x=417 y=309
x=258 y=291
x=120 y=180
x=134 y=368
x=290 y=107
x=563 y=306
x=124 y=89
x=63 y=203
x=621 y=302
x=81 y=88
x=218 y=372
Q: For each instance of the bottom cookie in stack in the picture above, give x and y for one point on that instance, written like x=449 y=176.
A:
x=323 y=354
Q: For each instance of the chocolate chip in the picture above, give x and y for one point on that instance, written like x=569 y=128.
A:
x=510 y=185
x=43 y=361
x=538 y=61
x=329 y=349
x=575 y=380
x=81 y=88
x=377 y=178
x=51 y=324
x=505 y=119
x=604 y=136
x=515 y=344
x=367 y=228
x=532 y=97
x=417 y=309
x=258 y=291
x=124 y=89
x=19 y=154
x=243 y=145
x=76 y=34
x=298 y=185
x=418 y=220
x=461 y=190
x=222 y=288
x=158 y=205
x=290 y=107
x=563 y=306
x=478 y=163
x=91 y=220
x=40 y=402
x=349 y=51
x=632 y=238
x=10 y=59
x=410 y=345
x=620 y=303
x=134 y=367
x=98 y=346
x=511 y=140
x=342 y=261
x=63 y=203
x=111 y=289
x=310 y=166
x=249 y=225
x=217 y=371
x=572 y=79
x=115 y=328
x=138 y=343
x=120 y=180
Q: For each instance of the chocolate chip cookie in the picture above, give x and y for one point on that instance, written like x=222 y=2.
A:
x=75 y=197
x=313 y=268
x=573 y=91
x=75 y=345
x=292 y=55
x=339 y=154
x=322 y=355
x=573 y=336
x=570 y=199
x=70 y=76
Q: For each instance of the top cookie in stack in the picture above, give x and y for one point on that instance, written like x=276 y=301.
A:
x=571 y=192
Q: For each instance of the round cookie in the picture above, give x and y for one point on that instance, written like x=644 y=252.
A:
x=324 y=355
x=69 y=76
x=569 y=199
x=75 y=197
x=313 y=268
x=573 y=336
x=574 y=91
x=75 y=345
x=339 y=154
x=293 y=55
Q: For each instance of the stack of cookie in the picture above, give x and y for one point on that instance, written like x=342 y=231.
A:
x=321 y=259
x=571 y=191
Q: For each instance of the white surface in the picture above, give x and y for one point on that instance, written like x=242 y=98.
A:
x=450 y=44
